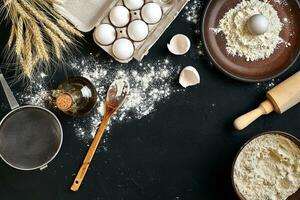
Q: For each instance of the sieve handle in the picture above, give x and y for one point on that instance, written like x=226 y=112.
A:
x=8 y=93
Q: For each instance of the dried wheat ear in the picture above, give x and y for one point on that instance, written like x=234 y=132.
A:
x=38 y=33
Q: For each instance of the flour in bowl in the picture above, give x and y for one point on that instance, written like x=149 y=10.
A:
x=268 y=168
x=239 y=40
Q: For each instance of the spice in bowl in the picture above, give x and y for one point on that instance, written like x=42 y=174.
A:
x=268 y=167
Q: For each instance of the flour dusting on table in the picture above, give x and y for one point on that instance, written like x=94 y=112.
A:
x=192 y=14
x=192 y=11
x=150 y=83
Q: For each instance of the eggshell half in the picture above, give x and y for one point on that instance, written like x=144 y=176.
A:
x=189 y=76
x=179 y=44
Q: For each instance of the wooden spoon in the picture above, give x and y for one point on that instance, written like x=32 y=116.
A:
x=116 y=96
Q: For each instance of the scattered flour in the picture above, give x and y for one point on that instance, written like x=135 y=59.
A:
x=36 y=92
x=240 y=41
x=150 y=83
x=268 y=168
x=192 y=14
x=267 y=85
x=192 y=11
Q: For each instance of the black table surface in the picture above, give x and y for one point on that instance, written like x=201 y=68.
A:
x=183 y=150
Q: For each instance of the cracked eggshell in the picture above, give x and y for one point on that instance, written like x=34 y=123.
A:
x=151 y=13
x=179 y=44
x=105 y=34
x=133 y=4
x=189 y=76
x=123 y=48
x=137 y=30
x=119 y=16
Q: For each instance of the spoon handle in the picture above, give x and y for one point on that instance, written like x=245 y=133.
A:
x=89 y=156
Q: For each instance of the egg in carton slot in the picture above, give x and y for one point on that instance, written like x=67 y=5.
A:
x=125 y=29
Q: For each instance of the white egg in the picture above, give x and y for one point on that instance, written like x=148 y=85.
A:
x=137 y=30
x=119 y=16
x=133 y=4
x=151 y=13
x=105 y=34
x=123 y=48
x=258 y=24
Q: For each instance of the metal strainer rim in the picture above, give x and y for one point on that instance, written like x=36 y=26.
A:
x=60 y=142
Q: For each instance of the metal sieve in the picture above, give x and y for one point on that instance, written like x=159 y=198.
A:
x=30 y=136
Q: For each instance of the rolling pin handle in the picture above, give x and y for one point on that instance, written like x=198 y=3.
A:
x=245 y=120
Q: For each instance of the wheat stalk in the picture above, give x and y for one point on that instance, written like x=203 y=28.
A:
x=37 y=32
x=43 y=18
x=60 y=20
x=19 y=10
x=12 y=35
x=19 y=37
x=47 y=7
x=7 y=3
x=28 y=53
x=27 y=43
x=65 y=25
x=58 y=44
x=39 y=43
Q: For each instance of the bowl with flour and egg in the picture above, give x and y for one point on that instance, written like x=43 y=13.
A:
x=252 y=40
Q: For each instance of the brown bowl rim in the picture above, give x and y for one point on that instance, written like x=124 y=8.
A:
x=204 y=16
x=282 y=133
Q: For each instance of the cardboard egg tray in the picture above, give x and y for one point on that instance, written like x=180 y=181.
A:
x=85 y=15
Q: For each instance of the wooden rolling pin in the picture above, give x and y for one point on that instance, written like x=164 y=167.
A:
x=279 y=99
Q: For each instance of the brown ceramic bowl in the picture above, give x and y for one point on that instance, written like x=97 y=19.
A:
x=295 y=196
x=238 y=67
